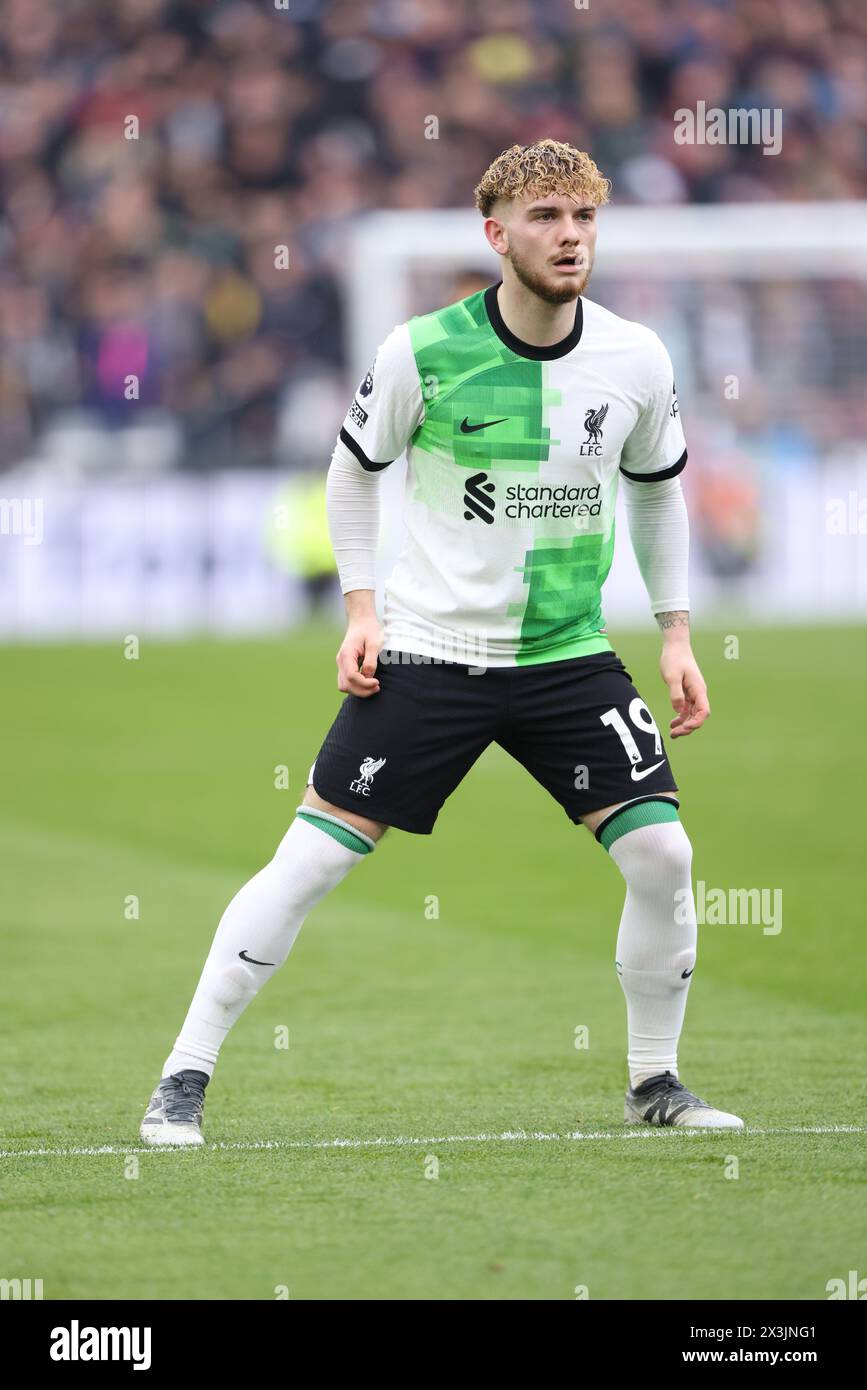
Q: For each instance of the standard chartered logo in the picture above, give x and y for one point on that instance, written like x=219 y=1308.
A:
x=524 y=501
x=477 y=502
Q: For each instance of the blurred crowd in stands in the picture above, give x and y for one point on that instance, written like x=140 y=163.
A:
x=264 y=124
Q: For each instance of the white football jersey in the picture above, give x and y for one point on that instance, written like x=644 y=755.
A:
x=514 y=453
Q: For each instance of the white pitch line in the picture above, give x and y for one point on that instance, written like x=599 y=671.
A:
x=405 y=1141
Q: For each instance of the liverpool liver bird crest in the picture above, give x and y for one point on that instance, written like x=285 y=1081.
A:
x=593 y=422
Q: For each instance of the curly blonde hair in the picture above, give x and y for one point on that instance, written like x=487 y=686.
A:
x=546 y=166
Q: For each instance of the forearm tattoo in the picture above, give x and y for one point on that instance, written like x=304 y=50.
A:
x=666 y=620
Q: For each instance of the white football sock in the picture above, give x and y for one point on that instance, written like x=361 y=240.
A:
x=263 y=920
x=656 y=943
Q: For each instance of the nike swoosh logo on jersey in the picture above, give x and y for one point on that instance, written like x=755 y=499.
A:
x=467 y=428
x=250 y=959
x=637 y=776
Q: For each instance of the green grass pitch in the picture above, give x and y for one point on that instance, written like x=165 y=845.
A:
x=155 y=777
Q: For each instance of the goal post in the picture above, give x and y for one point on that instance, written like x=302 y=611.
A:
x=764 y=319
x=748 y=241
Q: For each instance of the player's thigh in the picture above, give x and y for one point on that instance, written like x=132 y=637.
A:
x=583 y=731
x=375 y=829
x=394 y=757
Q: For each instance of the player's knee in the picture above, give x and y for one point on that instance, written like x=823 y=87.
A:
x=657 y=848
x=674 y=852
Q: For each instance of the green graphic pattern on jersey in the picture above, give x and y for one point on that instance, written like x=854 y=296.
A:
x=513 y=458
x=474 y=376
x=563 y=603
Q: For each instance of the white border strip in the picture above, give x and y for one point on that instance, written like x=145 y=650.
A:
x=405 y=1141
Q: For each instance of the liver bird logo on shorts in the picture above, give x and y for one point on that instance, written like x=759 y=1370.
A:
x=367 y=771
x=593 y=422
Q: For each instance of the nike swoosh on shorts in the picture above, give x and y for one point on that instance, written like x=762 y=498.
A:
x=637 y=776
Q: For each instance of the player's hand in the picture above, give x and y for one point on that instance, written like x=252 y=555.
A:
x=687 y=689
x=356 y=659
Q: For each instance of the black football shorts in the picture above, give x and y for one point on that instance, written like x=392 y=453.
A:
x=578 y=726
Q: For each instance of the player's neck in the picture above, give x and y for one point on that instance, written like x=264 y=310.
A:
x=532 y=319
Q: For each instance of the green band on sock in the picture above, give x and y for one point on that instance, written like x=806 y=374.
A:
x=338 y=830
x=633 y=817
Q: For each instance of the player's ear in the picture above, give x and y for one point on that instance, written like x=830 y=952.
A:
x=496 y=231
